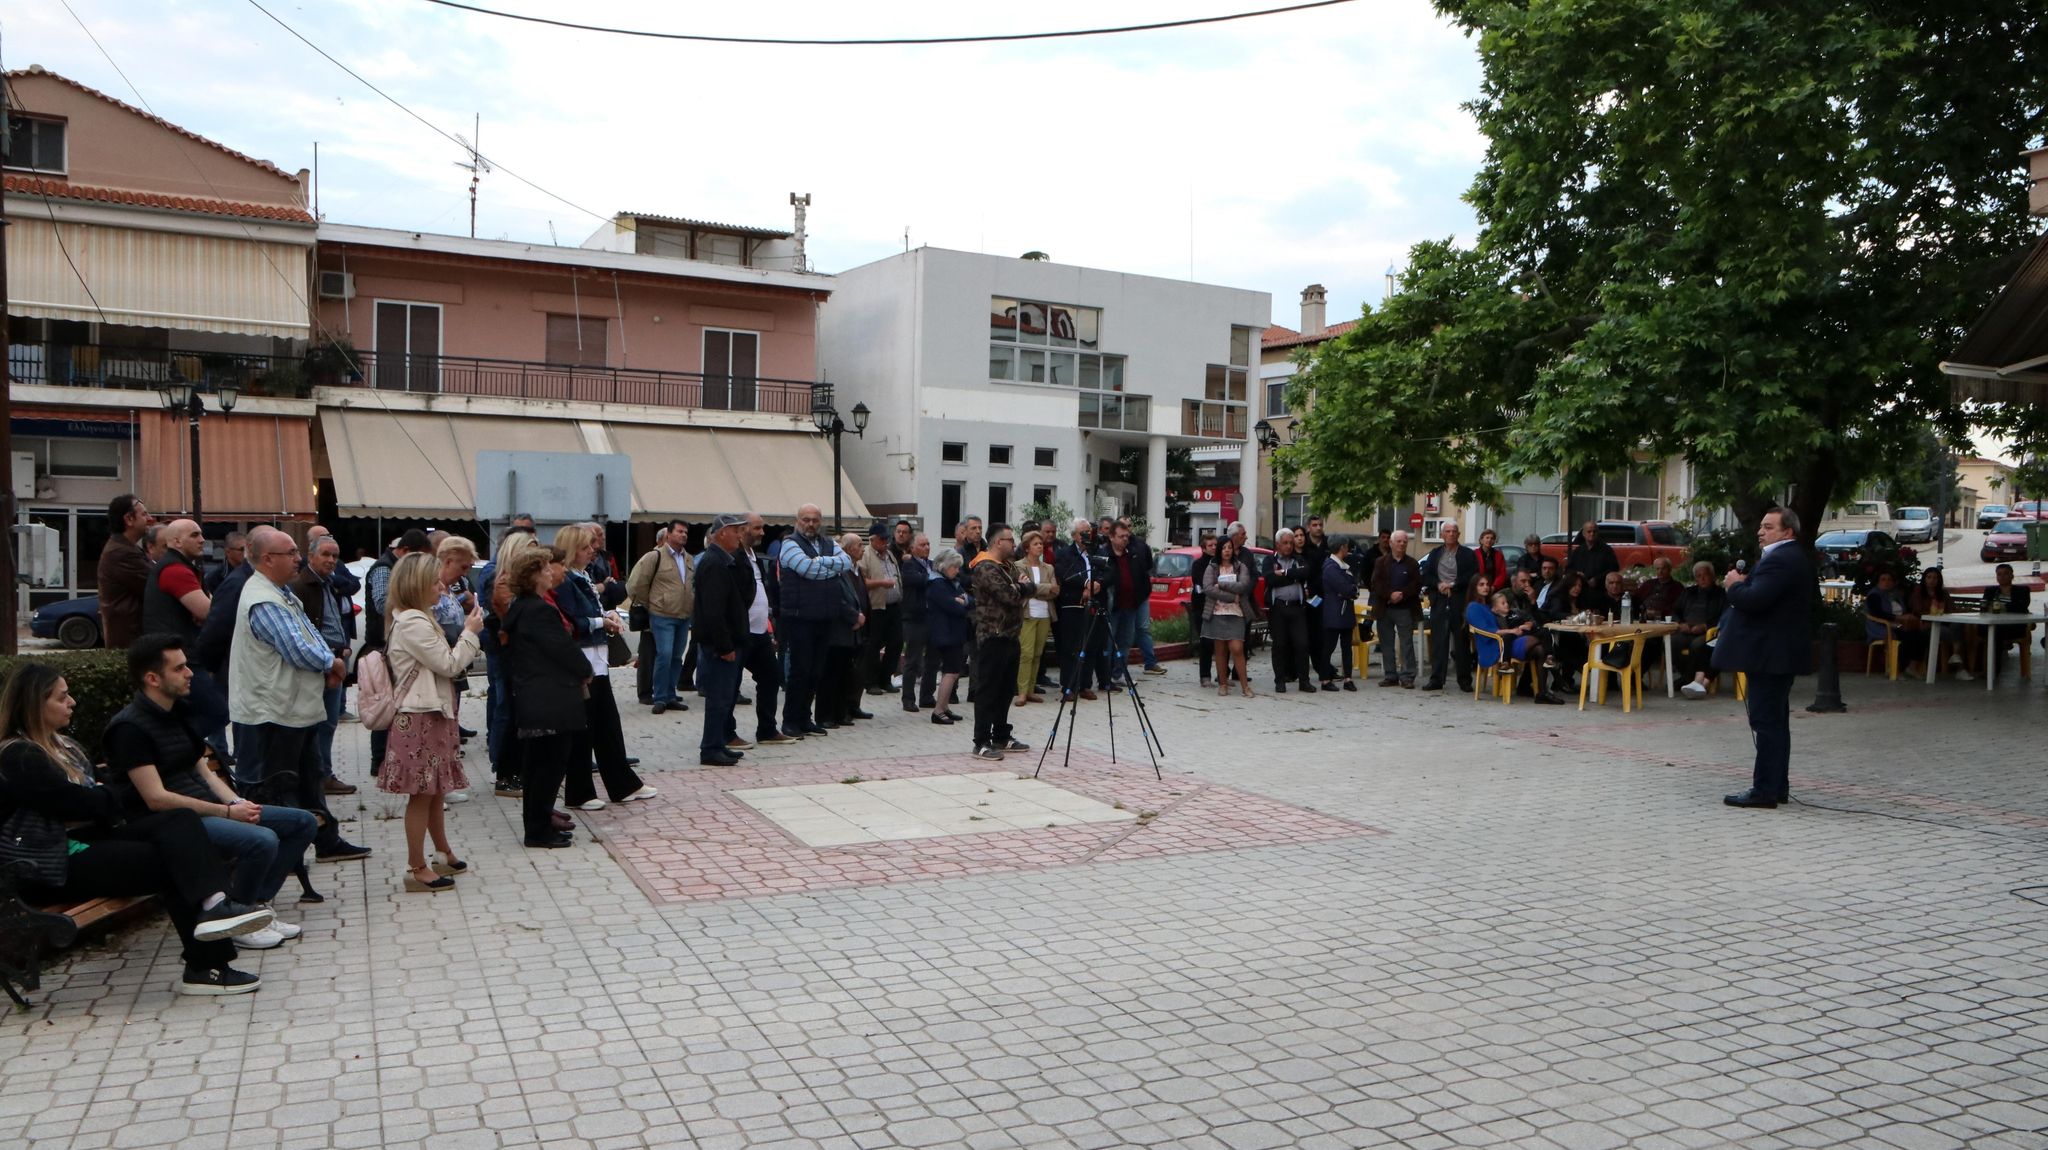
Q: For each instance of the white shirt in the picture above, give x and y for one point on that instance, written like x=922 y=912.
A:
x=1035 y=607
x=757 y=612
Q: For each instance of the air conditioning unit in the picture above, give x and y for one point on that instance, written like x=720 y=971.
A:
x=337 y=285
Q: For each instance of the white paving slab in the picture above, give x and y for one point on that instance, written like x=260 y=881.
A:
x=894 y=810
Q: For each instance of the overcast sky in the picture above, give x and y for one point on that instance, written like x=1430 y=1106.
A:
x=1266 y=153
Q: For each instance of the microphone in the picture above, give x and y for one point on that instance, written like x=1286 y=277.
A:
x=1741 y=566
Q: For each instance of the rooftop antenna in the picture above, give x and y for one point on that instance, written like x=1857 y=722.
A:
x=552 y=237
x=476 y=167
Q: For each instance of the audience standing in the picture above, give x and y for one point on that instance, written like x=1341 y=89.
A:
x=1339 y=616
x=123 y=572
x=1034 y=568
x=725 y=593
x=547 y=674
x=881 y=574
x=946 y=604
x=1227 y=589
x=424 y=754
x=998 y=615
x=602 y=738
x=920 y=670
x=1397 y=604
x=661 y=581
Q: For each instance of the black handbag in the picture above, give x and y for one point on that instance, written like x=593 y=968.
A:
x=617 y=652
x=636 y=619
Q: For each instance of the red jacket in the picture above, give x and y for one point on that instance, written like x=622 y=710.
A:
x=1494 y=566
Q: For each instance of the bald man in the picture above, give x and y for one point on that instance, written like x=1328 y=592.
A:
x=812 y=576
x=175 y=602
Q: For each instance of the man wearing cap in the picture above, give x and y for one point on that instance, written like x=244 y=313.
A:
x=881 y=574
x=725 y=593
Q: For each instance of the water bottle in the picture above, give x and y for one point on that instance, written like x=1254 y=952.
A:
x=1628 y=608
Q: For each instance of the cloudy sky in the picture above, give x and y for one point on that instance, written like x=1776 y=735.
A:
x=1267 y=153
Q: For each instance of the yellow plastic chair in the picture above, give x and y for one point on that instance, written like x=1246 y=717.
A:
x=1499 y=678
x=1890 y=643
x=1629 y=676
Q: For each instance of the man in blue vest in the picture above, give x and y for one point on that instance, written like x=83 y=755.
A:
x=812 y=568
x=1769 y=637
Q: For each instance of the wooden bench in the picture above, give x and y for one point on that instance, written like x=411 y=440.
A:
x=27 y=933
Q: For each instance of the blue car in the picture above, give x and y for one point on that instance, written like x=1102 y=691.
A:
x=73 y=622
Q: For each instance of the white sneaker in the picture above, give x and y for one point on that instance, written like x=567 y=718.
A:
x=640 y=795
x=1963 y=673
x=593 y=805
x=1694 y=690
x=289 y=930
x=260 y=939
x=455 y=797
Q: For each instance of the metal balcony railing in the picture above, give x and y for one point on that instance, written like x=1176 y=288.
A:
x=145 y=369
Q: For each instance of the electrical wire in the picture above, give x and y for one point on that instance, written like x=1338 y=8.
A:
x=430 y=125
x=1005 y=37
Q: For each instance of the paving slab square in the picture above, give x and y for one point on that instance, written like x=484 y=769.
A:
x=890 y=810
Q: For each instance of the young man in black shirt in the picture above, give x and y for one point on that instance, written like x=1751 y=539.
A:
x=153 y=760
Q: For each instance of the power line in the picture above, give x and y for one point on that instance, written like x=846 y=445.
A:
x=436 y=128
x=897 y=40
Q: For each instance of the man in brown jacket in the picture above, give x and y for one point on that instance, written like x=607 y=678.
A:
x=998 y=616
x=1397 y=603
x=663 y=581
x=124 y=572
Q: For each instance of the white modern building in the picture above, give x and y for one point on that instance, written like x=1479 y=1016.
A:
x=995 y=382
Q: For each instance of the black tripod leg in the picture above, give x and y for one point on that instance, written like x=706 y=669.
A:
x=1053 y=736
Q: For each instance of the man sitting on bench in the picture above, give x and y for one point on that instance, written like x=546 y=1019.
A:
x=153 y=761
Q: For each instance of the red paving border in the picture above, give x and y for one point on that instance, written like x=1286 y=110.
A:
x=697 y=842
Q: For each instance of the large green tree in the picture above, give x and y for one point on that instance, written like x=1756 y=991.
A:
x=1740 y=233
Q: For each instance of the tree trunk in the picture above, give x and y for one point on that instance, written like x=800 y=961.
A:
x=1815 y=490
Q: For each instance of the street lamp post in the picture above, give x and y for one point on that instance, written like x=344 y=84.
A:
x=1271 y=439
x=182 y=398
x=826 y=417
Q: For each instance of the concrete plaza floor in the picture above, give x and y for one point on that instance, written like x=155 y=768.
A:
x=1387 y=918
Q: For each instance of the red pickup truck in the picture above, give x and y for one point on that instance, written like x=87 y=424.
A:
x=1635 y=544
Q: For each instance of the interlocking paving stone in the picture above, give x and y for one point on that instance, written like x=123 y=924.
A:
x=1371 y=919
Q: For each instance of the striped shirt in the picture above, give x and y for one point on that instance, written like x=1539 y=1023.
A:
x=832 y=562
x=291 y=635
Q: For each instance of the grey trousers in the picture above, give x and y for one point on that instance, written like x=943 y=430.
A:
x=1397 y=645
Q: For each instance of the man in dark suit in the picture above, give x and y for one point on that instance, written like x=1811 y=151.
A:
x=1447 y=575
x=725 y=594
x=1769 y=636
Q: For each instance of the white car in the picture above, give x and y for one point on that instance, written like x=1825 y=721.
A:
x=1915 y=524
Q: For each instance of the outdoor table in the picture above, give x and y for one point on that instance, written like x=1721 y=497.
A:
x=1599 y=635
x=1975 y=619
x=1836 y=589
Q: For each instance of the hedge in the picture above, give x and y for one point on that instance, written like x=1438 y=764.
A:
x=97 y=679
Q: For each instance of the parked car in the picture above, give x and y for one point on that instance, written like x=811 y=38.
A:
x=1635 y=544
x=1989 y=515
x=1172 y=584
x=72 y=622
x=2029 y=509
x=2007 y=541
x=1916 y=524
x=1861 y=515
x=1840 y=547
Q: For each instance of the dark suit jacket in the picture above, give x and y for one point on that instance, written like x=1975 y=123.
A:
x=123 y=573
x=218 y=632
x=725 y=590
x=914 y=573
x=545 y=667
x=1770 y=617
x=1467 y=568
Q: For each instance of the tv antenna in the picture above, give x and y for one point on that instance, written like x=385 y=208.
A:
x=477 y=166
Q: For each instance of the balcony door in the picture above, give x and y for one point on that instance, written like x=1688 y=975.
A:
x=408 y=346
x=732 y=362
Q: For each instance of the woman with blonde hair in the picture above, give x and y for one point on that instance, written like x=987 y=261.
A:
x=79 y=843
x=457 y=557
x=497 y=597
x=423 y=760
x=1035 y=568
x=603 y=739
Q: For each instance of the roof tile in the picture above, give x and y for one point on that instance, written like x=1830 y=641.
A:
x=266 y=165
x=61 y=189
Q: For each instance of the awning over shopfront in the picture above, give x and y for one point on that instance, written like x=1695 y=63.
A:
x=157 y=279
x=252 y=467
x=2004 y=359
x=422 y=465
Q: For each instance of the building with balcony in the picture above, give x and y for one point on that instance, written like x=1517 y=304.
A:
x=141 y=259
x=996 y=383
x=434 y=348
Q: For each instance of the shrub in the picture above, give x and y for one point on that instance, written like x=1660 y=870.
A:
x=1172 y=629
x=97 y=679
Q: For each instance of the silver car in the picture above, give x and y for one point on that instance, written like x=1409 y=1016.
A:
x=1916 y=524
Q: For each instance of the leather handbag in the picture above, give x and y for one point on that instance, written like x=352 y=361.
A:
x=618 y=653
x=636 y=619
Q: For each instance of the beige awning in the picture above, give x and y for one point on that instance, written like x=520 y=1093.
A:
x=156 y=279
x=422 y=464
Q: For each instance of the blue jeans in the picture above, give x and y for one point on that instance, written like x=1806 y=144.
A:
x=323 y=735
x=264 y=852
x=720 y=682
x=497 y=708
x=1123 y=635
x=248 y=758
x=670 y=637
x=209 y=703
x=1145 y=635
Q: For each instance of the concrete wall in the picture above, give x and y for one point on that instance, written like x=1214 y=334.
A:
x=110 y=146
x=500 y=312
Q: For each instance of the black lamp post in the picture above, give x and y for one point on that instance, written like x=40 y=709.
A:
x=827 y=418
x=1271 y=439
x=183 y=398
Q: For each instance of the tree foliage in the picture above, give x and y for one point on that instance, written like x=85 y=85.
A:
x=1744 y=234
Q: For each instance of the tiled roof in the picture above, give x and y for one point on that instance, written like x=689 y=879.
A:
x=736 y=229
x=1284 y=337
x=266 y=165
x=63 y=190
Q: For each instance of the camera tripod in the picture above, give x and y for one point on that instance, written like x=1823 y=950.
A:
x=1070 y=702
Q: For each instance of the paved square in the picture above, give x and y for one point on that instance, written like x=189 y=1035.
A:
x=924 y=807
x=1355 y=920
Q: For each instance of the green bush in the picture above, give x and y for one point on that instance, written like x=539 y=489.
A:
x=97 y=679
x=1172 y=629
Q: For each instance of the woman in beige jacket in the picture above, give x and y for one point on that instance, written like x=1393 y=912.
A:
x=1036 y=568
x=424 y=758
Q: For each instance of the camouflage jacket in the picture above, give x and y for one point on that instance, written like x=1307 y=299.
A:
x=998 y=606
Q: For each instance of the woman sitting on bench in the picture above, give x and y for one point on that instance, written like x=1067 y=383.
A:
x=70 y=831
